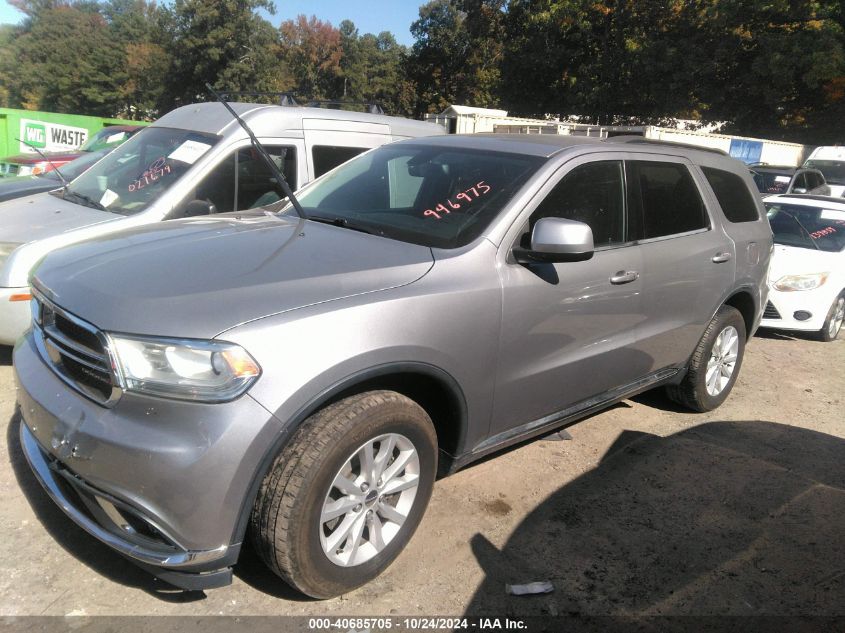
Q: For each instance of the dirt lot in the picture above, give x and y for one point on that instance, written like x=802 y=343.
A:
x=648 y=510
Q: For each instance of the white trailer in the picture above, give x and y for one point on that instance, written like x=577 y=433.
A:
x=458 y=119
x=830 y=160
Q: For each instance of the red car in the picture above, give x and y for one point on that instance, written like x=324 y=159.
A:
x=34 y=164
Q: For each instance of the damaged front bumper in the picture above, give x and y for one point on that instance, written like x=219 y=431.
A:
x=165 y=483
x=121 y=527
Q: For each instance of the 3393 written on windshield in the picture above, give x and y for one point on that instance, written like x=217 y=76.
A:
x=465 y=197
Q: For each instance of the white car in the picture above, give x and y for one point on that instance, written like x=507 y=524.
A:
x=807 y=271
x=830 y=160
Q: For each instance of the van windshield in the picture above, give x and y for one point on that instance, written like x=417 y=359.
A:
x=442 y=197
x=833 y=170
x=137 y=173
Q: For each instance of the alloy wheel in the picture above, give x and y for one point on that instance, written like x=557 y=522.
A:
x=369 y=499
x=722 y=362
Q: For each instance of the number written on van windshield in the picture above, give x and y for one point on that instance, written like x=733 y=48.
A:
x=156 y=170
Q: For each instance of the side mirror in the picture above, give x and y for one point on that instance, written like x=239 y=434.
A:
x=557 y=240
x=799 y=190
x=193 y=209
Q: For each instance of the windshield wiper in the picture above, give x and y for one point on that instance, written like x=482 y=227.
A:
x=343 y=223
x=88 y=200
x=271 y=165
x=47 y=160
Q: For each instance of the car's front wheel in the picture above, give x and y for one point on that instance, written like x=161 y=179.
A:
x=834 y=319
x=347 y=492
x=715 y=363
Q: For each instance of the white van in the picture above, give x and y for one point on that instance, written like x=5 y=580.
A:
x=195 y=160
x=830 y=160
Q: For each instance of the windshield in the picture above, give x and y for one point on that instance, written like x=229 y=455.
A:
x=807 y=227
x=435 y=196
x=769 y=182
x=107 y=138
x=137 y=173
x=75 y=167
x=833 y=170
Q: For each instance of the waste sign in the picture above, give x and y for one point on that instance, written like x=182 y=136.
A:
x=22 y=130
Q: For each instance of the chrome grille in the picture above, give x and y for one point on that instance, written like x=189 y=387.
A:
x=771 y=312
x=75 y=350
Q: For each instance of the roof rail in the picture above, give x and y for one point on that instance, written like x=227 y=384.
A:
x=654 y=141
x=285 y=98
x=337 y=104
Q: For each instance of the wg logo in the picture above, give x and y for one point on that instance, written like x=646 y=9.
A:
x=35 y=135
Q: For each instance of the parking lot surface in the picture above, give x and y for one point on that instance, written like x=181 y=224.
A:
x=647 y=510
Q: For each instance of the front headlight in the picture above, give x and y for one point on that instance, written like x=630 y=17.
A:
x=210 y=371
x=791 y=283
x=6 y=249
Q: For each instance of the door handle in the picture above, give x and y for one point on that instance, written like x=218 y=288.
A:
x=720 y=258
x=624 y=277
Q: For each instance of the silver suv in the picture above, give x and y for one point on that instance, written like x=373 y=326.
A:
x=304 y=380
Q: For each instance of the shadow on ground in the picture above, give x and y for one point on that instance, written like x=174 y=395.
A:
x=5 y=355
x=76 y=541
x=726 y=518
x=787 y=335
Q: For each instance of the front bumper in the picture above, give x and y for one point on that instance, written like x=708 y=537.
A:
x=782 y=307
x=15 y=316
x=162 y=482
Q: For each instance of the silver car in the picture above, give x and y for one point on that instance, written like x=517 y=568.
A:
x=303 y=381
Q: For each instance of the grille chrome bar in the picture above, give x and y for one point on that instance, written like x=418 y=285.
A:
x=82 y=367
x=67 y=348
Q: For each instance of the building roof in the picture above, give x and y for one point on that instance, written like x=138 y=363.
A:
x=461 y=109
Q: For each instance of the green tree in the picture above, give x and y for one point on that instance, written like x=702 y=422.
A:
x=457 y=53
x=766 y=69
x=7 y=64
x=77 y=72
x=372 y=70
x=777 y=68
x=139 y=28
x=221 y=42
x=311 y=51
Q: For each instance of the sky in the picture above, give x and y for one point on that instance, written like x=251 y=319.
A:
x=370 y=16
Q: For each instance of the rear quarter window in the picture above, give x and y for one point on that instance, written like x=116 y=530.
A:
x=736 y=200
x=327 y=157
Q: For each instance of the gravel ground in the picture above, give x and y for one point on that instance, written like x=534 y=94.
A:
x=648 y=510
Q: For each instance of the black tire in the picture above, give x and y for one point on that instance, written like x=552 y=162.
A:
x=285 y=522
x=692 y=391
x=830 y=330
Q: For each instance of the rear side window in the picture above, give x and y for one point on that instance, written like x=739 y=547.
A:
x=663 y=200
x=736 y=201
x=327 y=157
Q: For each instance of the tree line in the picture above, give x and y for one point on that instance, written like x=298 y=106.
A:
x=772 y=68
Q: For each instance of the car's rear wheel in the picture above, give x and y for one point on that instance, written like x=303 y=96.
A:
x=833 y=322
x=346 y=494
x=715 y=363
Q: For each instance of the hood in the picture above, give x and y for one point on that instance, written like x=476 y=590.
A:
x=43 y=215
x=30 y=159
x=11 y=188
x=792 y=260
x=196 y=278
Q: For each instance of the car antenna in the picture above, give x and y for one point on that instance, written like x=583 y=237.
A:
x=277 y=173
x=42 y=155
